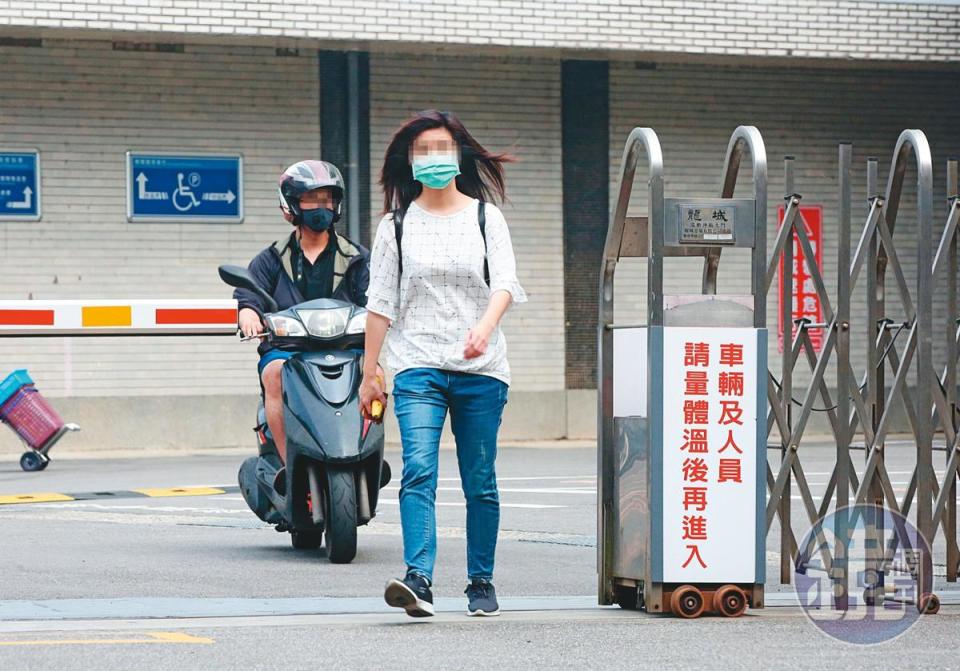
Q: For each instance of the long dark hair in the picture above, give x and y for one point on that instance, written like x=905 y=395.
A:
x=481 y=171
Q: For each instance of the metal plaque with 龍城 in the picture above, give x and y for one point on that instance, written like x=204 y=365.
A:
x=706 y=224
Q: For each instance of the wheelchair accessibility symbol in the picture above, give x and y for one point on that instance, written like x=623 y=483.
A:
x=168 y=187
x=183 y=198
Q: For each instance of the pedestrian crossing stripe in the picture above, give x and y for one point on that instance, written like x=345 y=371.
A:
x=180 y=491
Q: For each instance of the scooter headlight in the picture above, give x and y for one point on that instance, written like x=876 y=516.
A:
x=286 y=327
x=358 y=323
x=325 y=323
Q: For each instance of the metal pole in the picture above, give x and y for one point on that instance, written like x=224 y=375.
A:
x=924 y=303
x=606 y=461
x=841 y=517
x=353 y=145
x=950 y=379
x=875 y=378
x=786 y=373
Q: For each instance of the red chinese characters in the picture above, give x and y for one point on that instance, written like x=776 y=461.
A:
x=730 y=384
x=695 y=469
x=714 y=425
x=805 y=300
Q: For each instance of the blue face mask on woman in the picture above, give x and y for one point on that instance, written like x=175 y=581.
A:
x=435 y=171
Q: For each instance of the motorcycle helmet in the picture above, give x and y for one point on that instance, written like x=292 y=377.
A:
x=305 y=176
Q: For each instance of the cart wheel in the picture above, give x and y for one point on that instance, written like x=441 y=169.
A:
x=729 y=601
x=627 y=597
x=31 y=461
x=687 y=602
x=929 y=604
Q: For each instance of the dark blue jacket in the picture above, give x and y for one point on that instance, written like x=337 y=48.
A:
x=273 y=270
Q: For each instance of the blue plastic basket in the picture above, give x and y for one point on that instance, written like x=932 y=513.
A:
x=12 y=383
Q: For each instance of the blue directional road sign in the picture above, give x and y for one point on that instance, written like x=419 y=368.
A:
x=20 y=186
x=166 y=187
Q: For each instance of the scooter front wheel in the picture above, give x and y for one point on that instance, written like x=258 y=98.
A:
x=341 y=516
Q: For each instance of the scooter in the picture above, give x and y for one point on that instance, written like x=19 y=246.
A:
x=335 y=465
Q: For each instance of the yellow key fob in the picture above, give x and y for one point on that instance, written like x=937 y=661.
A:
x=376 y=408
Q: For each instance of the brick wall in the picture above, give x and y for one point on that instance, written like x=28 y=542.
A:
x=864 y=30
x=83 y=105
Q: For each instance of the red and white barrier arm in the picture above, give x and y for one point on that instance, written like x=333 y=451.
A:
x=113 y=317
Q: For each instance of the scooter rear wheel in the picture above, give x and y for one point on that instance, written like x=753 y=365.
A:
x=341 y=516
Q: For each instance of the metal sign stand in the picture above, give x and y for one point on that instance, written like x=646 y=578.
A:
x=641 y=447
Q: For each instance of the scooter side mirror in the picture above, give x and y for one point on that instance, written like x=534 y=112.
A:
x=240 y=277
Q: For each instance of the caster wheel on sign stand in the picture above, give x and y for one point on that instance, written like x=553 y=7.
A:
x=928 y=604
x=687 y=602
x=32 y=461
x=627 y=597
x=730 y=601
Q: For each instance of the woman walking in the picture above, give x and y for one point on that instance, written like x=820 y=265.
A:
x=442 y=274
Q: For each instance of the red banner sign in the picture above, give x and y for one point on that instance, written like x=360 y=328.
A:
x=806 y=303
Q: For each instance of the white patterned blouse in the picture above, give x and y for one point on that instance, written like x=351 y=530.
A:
x=442 y=293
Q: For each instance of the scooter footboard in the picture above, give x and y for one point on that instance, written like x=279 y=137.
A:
x=253 y=495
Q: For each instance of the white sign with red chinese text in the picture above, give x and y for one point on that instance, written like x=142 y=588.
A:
x=709 y=454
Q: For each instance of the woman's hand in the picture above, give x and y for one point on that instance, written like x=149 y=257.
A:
x=250 y=323
x=477 y=340
x=371 y=393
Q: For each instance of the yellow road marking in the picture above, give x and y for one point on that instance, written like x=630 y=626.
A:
x=155 y=637
x=180 y=491
x=177 y=637
x=41 y=497
x=107 y=315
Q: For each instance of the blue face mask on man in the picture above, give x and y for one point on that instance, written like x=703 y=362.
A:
x=319 y=220
x=436 y=171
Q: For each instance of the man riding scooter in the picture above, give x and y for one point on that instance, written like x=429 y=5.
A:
x=312 y=263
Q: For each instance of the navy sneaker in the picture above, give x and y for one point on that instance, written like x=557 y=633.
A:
x=412 y=594
x=483 y=599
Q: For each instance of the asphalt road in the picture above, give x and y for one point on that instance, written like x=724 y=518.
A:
x=199 y=582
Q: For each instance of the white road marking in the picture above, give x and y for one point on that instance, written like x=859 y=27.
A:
x=513 y=490
x=75 y=505
x=462 y=504
x=533 y=477
x=591 y=478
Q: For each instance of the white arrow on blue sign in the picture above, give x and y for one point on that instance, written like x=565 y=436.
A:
x=20 y=186
x=174 y=187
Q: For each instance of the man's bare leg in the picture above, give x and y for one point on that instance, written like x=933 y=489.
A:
x=273 y=405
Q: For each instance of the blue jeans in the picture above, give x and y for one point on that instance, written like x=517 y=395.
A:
x=422 y=397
